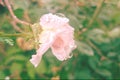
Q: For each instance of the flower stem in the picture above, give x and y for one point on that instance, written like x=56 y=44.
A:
x=13 y=15
x=95 y=15
x=13 y=35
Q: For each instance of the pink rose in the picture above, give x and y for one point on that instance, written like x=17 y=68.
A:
x=57 y=34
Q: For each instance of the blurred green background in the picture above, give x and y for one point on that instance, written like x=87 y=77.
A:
x=97 y=35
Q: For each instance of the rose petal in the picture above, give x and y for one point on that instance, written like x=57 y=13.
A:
x=49 y=21
x=59 y=54
x=46 y=40
x=35 y=60
x=64 y=43
x=46 y=36
x=58 y=49
x=58 y=35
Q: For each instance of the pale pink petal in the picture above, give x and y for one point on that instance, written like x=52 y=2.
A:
x=61 y=50
x=49 y=21
x=43 y=48
x=35 y=60
x=46 y=36
x=57 y=34
x=60 y=54
x=64 y=43
x=57 y=49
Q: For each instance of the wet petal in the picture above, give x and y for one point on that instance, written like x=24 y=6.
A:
x=58 y=49
x=49 y=21
x=59 y=54
x=57 y=34
x=35 y=60
x=63 y=44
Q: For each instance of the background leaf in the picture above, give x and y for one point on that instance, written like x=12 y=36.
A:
x=84 y=48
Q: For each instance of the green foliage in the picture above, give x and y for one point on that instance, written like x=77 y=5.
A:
x=19 y=13
x=84 y=48
x=97 y=55
x=7 y=40
x=2 y=75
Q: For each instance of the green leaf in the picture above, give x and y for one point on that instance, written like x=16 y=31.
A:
x=98 y=35
x=42 y=68
x=9 y=41
x=119 y=58
x=1 y=39
x=84 y=48
x=116 y=18
x=104 y=73
x=15 y=58
x=114 y=32
x=30 y=70
x=19 y=13
x=13 y=50
x=2 y=75
x=93 y=62
x=7 y=27
x=106 y=63
x=83 y=74
x=111 y=54
x=16 y=67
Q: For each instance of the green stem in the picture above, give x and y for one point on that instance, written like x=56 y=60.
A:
x=96 y=13
x=100 y=53
x=13 y=35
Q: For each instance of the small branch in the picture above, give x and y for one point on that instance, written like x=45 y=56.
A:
x=13 y=35
x=95 y=15
x=92 y=45
x=15 y=26
x=100 y=53
x=13 y=15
